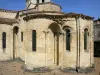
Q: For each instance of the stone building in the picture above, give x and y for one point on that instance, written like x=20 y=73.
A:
x=96 y=37
x=43 y=36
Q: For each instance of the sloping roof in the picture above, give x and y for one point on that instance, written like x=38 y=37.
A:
x=78 y=15
x=50 y=3
x=60 y=15
x=10 y=11
x=7 y=21
x=40 y=12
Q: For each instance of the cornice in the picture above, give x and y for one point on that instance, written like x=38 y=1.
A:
x=47 y=16
x=7 y=21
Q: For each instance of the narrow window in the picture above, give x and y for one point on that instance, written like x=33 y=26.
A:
x=34 y=40
x=85 y=38
x=4 y=40
x=21 y=36
x=68 y=39
x=42 y=1
x=37 y=1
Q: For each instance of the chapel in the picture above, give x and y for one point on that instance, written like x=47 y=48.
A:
x=43 y=36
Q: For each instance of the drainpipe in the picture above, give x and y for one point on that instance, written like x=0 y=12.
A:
x=78 y=44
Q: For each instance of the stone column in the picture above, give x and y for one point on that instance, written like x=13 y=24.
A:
x=61 y=49
x=46 y=41
x=78 y=43
x=55 y=49
x=64 y=47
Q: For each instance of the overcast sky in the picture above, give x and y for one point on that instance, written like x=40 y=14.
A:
x=88 y=7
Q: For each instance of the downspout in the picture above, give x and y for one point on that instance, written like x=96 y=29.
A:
x=78 y=44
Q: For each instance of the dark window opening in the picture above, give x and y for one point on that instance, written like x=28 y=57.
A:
x=37 y=1
x=34 y=40
x=42 y=1
x=85 y=38
x=4 y=40
x=98 y=34
x=68 y=39
x=21 y=36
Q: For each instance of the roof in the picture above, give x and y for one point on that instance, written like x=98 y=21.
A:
x=61 y=15
x=7 y=21
x=79 y=15
x=96 y=20
x=9 y=11
x=50 y=3
x=40 y=12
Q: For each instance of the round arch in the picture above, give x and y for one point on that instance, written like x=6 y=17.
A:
x=15 y=29
x=15 y=40
x=85 y=27
x=55 y=28
x=67 y=27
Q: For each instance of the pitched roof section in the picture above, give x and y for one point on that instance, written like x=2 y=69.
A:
x=9 y=11
x=7 y=21
x=78 y=15
x=50 y=3
x=39 y=12
x=60 y=15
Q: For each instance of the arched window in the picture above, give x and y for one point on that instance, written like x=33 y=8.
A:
x=21 y=36
x=85 y=38
x=34 y=40
x=4 y=40
x=37 y=1
x=68 y=39
x=42 y=1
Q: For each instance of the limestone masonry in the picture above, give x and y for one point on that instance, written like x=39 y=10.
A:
x=43 y=36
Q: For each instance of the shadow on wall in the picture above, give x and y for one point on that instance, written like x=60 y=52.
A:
x=97 y=49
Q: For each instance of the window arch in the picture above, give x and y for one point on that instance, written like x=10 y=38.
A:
x=4 y=40
x=68 y=37
x=85 y=38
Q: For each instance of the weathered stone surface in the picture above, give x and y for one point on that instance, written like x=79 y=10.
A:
x=50 y=40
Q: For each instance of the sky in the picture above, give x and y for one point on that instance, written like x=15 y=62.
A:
x=87 y=7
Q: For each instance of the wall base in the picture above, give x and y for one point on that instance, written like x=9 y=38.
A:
x=80 y=70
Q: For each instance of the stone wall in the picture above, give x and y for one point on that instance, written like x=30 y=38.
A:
x=48 y=7
x=6 y=54
x=97 y=32
x=86 y=56
x=48 y=53
x=50 y=38
x=45 y=45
